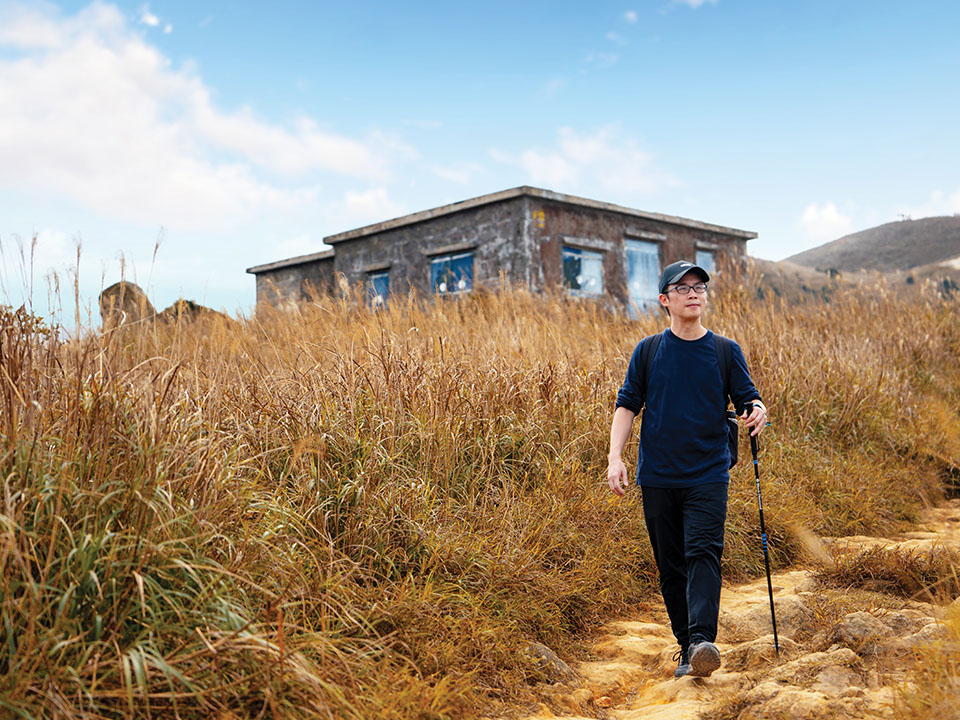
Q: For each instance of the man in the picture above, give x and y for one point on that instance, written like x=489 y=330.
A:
x=684 y=460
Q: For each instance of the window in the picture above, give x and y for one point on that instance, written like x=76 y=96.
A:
x=452 y=273
x=378 y=287
x=582 y=271
x=643 y=274
x=705 y=260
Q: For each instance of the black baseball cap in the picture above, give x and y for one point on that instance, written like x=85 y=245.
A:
x=675 y=271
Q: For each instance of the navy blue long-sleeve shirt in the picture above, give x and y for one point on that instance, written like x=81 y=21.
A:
x=683 y=432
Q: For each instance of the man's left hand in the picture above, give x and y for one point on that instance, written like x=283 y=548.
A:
x=756 y=420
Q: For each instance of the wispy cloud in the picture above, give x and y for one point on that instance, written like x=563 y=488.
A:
x=694 y=3
x=823 y=223
x=94 y=113
x=606 y=160
x=147 y=17
x=616 y=38
x=630 y=16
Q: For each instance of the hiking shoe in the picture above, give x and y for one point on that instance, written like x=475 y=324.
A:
x=683 y=662
x=704 y=659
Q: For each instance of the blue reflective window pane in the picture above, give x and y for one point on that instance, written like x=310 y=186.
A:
x=452 y=273
x=643 y=272
x=582 y=271
x=705 y=260
x=378 y=287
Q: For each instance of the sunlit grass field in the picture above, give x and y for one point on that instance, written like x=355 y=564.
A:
x=335 y=512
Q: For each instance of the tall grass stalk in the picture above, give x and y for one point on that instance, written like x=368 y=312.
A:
x=336 y=512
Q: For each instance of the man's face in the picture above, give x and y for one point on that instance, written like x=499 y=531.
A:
x=685 y=307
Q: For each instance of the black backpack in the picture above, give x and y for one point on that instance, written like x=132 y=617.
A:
x=648 y=350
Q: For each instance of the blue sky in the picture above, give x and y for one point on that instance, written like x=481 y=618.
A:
x=239 y=133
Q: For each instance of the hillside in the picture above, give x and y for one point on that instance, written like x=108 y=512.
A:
x=895 y=246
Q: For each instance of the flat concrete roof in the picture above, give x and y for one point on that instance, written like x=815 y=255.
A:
x=299 y=260
x=532 y=192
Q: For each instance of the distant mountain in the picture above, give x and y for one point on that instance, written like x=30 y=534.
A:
x=895 y=246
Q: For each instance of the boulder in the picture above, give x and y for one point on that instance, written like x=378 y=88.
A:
x=124 y=303
x=551 y=665
x=804 y=670
x=758 y=653
x=862 y=632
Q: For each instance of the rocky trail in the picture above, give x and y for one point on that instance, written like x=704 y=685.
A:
x=848 y=666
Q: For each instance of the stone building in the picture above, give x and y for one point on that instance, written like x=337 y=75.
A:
x=537 y=237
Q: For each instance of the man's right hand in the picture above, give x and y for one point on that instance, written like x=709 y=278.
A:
x=617 y=476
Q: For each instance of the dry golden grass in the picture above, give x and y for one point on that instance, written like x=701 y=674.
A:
x=933 y=689
x=339 y=513
x=929 y=575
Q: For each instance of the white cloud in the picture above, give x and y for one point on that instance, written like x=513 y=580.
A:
x=630 y=16
x=616 y=38
x=147 y=17
x=823 y=223
x=695 y=3
x=607 y=159
x=167 y=29
x=93 y=113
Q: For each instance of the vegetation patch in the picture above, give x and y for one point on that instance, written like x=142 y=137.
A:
x=931 y=575
x=341 y=512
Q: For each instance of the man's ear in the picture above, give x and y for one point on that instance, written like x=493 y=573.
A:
x=665 y=303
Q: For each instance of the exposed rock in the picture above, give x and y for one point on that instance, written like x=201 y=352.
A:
x=124 y=303
x=792 y=614
x=791 y=704
x=582 y=697
x=190 y=311
x=862 y=632
x=836 y=681
x=552 y=666
x=758 y=653
x=805 y=669
x=905 y=622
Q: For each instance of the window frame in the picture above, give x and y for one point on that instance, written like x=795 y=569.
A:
x=372 y=293
x=630 y=244
x=567 y=250
x=700 y=251
x=449 y=257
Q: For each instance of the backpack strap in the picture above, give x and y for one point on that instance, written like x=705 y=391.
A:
x=725 y=357
x=648 y=351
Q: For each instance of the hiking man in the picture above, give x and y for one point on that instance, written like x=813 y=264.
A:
x=677 y=379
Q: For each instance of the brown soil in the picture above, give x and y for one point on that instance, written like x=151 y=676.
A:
x=845 y=665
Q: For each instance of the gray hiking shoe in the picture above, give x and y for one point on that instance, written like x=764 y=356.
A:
x=682 y=656
x=704 y=659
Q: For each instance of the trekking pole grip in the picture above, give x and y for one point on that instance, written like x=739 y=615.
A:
x=754 y=446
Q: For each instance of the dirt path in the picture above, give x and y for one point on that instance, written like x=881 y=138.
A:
x=847 y=670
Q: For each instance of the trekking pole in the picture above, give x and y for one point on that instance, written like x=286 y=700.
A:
x=754 y=447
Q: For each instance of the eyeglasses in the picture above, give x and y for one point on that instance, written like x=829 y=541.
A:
x=699 y=289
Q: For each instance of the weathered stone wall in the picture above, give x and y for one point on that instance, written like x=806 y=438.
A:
x=294 y=283
x=494 y=232
x=554 y=224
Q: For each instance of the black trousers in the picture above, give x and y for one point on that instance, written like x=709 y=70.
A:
x=686 y=531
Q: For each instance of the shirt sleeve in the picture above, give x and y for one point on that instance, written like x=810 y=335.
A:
x=742 y=389
x=632 y=393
